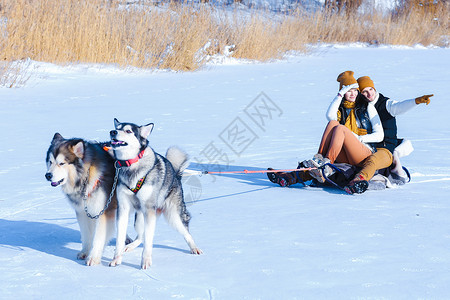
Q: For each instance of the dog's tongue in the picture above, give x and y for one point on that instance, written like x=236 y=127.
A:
x=117 y=142
x=55 y=183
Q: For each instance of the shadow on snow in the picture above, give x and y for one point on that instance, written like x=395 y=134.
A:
x=49 y=238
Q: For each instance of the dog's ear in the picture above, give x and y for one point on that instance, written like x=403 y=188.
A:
x=57 y=138
x=116 y=123
x=145 y=130
x=78 y=149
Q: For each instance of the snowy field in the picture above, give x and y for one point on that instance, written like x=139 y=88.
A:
x=260 y=241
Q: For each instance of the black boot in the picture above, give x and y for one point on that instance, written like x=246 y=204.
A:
x=358 y=185
x=285 y=179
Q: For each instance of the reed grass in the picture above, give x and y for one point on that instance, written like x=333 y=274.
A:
x=182 y=37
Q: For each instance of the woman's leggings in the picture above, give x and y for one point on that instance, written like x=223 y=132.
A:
x=339 y=144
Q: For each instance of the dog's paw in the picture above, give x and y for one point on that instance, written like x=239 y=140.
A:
x=92 y=261
x=146 y=263
x=82 y=255
x=196 y=251
x=116 y=261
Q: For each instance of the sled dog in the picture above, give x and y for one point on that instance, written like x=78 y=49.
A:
x=85 y=172
x=150 y=184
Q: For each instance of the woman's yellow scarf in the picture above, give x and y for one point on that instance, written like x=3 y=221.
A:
x=351 y=123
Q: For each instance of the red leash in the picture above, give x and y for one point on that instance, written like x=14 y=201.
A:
x=246 y=171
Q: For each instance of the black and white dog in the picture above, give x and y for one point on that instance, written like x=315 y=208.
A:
x=150 y=184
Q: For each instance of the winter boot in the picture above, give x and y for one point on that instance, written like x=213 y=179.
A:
x=303 y=175
x=358 y=185
x=284 y=179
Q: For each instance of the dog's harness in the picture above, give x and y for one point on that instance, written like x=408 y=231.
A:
x=138 y=185
x=88 y=194
x=96 y=183
x=95 y=186
x=127 y=163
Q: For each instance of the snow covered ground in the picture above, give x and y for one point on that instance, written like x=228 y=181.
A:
x=260 y=241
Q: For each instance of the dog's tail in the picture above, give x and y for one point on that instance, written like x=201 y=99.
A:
x=178 y=158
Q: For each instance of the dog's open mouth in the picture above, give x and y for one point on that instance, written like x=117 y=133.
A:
x=117 y=143
x=56 y=183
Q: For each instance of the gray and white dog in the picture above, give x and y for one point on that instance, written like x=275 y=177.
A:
x=150 y=184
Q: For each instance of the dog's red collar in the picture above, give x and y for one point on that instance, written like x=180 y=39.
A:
x=127 y=163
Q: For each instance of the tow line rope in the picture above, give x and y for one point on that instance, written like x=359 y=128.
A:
x=192 y=172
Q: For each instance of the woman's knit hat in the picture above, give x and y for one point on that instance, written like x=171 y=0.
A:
x=346 y=78
x=364 y=82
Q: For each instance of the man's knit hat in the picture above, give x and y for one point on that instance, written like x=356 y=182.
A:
x=346 y=78
x=364 y=82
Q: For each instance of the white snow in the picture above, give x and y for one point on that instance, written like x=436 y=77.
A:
x=260 y=241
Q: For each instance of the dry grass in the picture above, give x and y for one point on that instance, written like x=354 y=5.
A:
x=181 y=37
x=412 y=26
x=15 y=74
